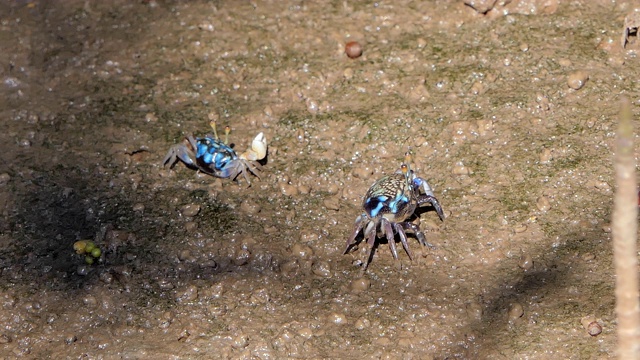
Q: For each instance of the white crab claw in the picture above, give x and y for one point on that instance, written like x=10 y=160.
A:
x=258 y=149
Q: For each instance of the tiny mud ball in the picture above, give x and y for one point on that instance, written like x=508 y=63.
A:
x=388 y=204
x=214 y=157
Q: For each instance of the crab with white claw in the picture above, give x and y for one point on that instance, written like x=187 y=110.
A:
x=214 y=157
x=388 y=204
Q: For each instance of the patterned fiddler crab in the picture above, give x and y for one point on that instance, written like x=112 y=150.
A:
x=388 y=204
x=214 y=157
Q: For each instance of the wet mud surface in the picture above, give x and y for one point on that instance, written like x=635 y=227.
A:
x=510 y=116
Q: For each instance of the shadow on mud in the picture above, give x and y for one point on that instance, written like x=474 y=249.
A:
x=63 y=206
x=548 y=281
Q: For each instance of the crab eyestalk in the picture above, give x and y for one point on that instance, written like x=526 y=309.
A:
x=258 y=150
x=407 y=157
x=212 y=123
x=227 y=130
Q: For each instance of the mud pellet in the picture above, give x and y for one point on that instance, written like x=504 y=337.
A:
x=577 y=79
x=90 y=301
x=321 y=268
x=546 y=156
x=288 y=189
x=186 y=294
x=543 y=204
x=515 y=312
x=337 y=318
x=359 y=285
x=190 y=210
x=520 y=228
x=240 y=341
x=526 y=262
x=250 y=207
x=353 y=49
x=301 y=251
x=191 y=226
x=241 y=257
x=304 y=189
x=332 y=203
x=460 y=169
x=306 y=332
x=362 y=323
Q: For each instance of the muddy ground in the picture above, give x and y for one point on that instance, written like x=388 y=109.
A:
x=510 y=115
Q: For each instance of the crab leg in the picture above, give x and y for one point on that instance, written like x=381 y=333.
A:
x=403 y=240
x=386 y=225
x=352 y=238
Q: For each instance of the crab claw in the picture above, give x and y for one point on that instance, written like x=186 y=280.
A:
x=258 y=149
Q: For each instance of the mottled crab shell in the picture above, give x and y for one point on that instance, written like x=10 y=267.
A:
x=390 y=197
x=212 y=155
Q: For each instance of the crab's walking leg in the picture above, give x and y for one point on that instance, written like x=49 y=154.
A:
x=371 y=242
x=388 y=231
x=352 y=239
x=419 y=234
x=403 y=240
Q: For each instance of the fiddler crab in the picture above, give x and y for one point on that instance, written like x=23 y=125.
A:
x=389 y=204
x=214 y=157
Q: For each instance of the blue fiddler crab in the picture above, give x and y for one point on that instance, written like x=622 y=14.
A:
x=214 y=157
x=388 y=204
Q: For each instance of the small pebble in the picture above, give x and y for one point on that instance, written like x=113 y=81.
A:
x=359 y=285
x=70 y=339
x=594 y=328
x=543 y=204
x=515 y=312
x=190 y=210
x=353 y=49
x=577 y=79
x=83 y=270
x=138 y=207
x=526 y=262
x=591 y=324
